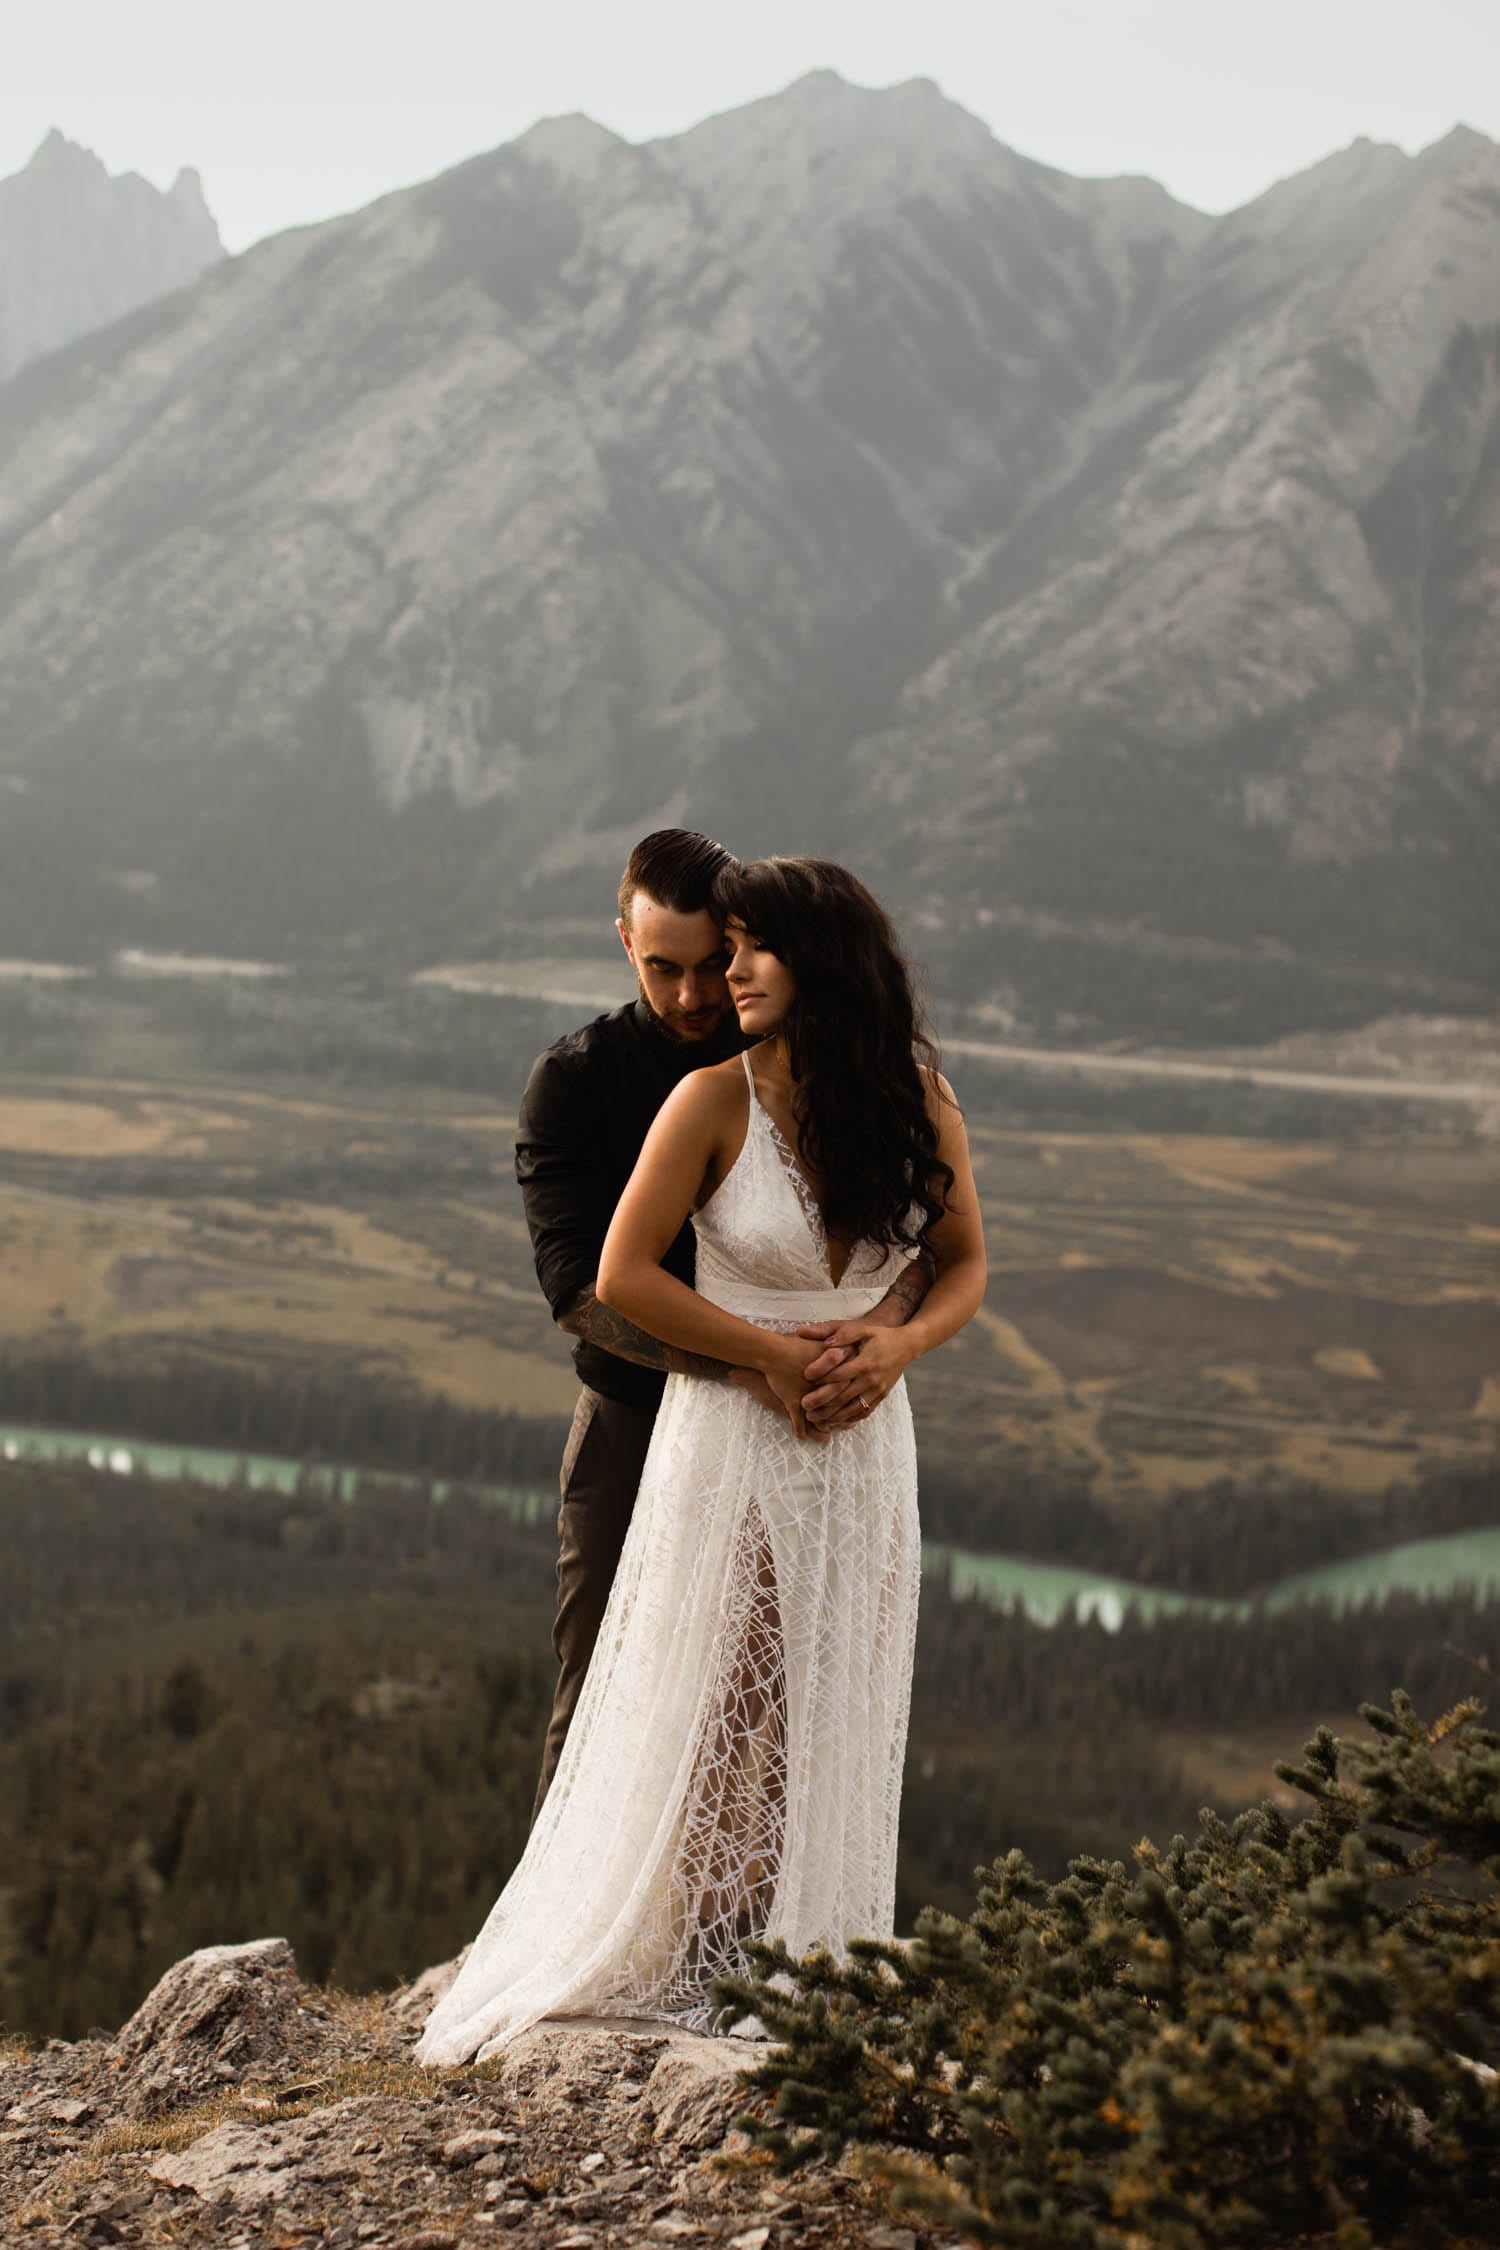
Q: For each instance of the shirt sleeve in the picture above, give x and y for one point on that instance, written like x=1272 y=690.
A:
x=568 y=1198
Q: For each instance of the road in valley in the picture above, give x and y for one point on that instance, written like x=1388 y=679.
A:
x=1457 y=1091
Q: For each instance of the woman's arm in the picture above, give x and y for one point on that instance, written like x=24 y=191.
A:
x=956 y=1238
x=694 y=1138
x=956 y=1241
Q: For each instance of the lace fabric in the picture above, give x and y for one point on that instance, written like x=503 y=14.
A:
x=733 y=1767
x=801 y=1185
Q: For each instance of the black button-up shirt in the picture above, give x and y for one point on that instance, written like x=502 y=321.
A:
x=588 y=1106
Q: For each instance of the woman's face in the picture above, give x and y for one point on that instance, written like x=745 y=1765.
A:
x=760 y=983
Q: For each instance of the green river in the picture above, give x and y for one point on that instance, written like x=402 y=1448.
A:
x=1045 y=1590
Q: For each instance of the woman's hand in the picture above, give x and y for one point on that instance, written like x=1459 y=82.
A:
x=750 y=1379
x=785 y=1363
x=881 y=1356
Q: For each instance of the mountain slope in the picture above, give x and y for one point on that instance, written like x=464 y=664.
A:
x=1236 y=685
x=830 y=476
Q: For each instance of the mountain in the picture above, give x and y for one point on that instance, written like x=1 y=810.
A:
x=79 y=248
x=1114 y=584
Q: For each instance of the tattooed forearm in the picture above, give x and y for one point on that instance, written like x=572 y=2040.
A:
x=612 y=1332
x=906 y=1293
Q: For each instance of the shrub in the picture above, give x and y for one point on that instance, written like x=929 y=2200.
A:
x=1267 y=2032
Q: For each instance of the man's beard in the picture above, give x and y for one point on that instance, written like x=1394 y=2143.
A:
x=669 y=1030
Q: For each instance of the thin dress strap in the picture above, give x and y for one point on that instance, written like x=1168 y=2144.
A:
x=786 y=1157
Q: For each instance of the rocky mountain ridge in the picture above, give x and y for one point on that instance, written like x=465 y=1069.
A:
x=80 y=247
x=1113 y=584
x=239 y=2103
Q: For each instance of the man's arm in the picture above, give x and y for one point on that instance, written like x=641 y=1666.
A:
x=600 y=1325
x=612 y=1332
x=569 y=1205
x=906 y=1292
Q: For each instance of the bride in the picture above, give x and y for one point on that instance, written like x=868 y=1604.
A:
x=734 y=1765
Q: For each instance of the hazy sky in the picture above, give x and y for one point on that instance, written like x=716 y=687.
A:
x=293 y=109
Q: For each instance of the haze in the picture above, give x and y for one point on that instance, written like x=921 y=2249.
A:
x=294 y=112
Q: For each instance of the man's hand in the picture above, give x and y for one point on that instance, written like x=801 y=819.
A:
x=750 y=1379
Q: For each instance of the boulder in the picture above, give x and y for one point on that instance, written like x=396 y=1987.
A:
x=634 y=2078
x=215 y=2018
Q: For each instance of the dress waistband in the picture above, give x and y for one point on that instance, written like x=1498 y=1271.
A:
x=796 y=1305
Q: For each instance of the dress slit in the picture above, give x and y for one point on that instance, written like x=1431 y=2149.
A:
x=730 y=1856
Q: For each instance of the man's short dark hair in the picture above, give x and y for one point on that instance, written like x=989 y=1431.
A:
x=676 y=867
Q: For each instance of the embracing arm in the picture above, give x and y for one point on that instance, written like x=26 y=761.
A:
x=569 y=1201
x=907 y=1292
x=600 y=1324
x=690 y=1142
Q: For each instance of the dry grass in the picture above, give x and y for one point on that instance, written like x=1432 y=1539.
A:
x=40 y=1125
x=388 y=2078
x=1144 y=1291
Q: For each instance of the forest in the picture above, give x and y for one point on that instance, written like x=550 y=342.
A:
x=360 y=1422
x=1229 y=1535
x=226 y=1715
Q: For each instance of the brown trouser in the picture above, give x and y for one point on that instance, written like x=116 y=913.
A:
x=601 y=1468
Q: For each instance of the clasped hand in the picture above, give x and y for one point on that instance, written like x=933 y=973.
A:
x=859 y=1365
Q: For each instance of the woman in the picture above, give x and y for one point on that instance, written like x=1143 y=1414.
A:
x=734 y=1765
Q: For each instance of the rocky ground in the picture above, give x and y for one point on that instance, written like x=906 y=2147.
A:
x=243 y=2108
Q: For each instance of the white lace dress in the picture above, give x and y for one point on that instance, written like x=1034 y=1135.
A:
x=733 y=1766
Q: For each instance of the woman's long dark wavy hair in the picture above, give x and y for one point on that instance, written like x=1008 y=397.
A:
x=854 y=1037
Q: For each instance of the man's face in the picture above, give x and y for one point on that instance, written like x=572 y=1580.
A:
x=679 y=960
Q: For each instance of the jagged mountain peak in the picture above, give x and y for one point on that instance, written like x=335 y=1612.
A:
x=846 y=135
x=56 y=154
x=1459 y=146
x=572 y=142
x=1334 y=184
x=188 y=187
x=80 y=245
x=827 y=91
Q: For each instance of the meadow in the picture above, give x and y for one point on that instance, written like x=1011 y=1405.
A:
x=1165 y=1306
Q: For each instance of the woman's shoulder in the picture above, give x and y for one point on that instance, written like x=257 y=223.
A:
x=935 y=1086
x=711 y=1091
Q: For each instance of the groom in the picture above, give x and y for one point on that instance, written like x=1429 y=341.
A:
x=588 y=1106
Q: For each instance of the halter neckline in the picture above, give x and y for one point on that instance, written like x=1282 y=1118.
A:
x=797 y=1179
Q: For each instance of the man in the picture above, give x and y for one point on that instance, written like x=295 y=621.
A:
x=588 y=1106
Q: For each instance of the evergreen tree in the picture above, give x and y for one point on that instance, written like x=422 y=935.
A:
x=1261 y=2032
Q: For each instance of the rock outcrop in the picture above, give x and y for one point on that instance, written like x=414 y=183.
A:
x=240 y=2103
x=79 y=247
x=217 y=2017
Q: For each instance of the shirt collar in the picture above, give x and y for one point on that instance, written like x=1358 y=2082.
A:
x=725 y=1042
